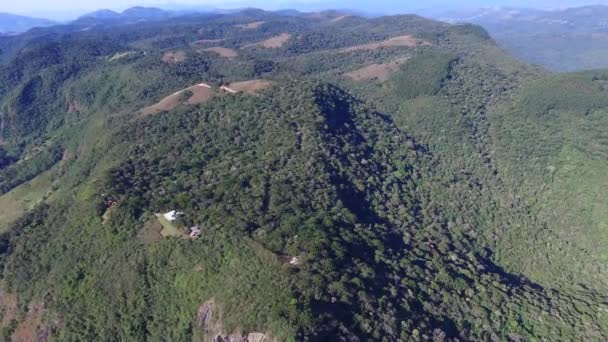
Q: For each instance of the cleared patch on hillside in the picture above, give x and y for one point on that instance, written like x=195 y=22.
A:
x=165 y=104
x=201 y=92
x=381 y=72
x=401 y=41
x=169 y=229
x=8 y=306
x=18 y=201
x=274 y=42
x=151 y=232
x=251 y=26
x=222 y=51
x=31 y=328
x=195 y=94
x=172 y=57
x=250 y=87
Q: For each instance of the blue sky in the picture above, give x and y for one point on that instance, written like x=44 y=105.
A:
x=66 y=9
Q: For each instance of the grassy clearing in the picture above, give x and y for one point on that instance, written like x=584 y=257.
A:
x=170 y=229
x=24 y=197
x=401 y=41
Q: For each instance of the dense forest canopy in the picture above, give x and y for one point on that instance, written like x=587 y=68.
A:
x=264 y=176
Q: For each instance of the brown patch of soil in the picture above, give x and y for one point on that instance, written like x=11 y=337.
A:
x=173 y=57
x=164 y=105
x=249 y=87
x=199 y=93
x=380 y=72
x=31 y=329
x=251 y=26
x=150 y=233
x=401 y=41
x=274 y=42
x=222 y=51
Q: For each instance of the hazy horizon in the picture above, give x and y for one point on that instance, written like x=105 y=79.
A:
x=70 y=9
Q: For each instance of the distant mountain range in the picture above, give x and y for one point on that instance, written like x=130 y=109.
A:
x=14 y=24
x=579 y=18
x=11 y=23
x=560 y=40
x=563 y=40
x=130 y=13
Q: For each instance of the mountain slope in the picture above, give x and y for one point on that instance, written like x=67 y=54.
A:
x=388 y=206
x=553 y=128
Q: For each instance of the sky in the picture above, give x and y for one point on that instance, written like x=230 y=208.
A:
x=69 y=9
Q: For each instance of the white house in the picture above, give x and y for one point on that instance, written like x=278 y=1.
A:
x=172 y=215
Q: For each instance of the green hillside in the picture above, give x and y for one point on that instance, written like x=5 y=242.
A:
x=353 y=179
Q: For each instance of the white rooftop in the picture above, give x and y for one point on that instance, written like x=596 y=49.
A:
x=172 y=215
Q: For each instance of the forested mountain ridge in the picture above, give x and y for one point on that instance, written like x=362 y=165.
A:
x=388 y=179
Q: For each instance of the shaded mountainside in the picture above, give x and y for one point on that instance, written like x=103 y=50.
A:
x=395 y=205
